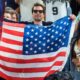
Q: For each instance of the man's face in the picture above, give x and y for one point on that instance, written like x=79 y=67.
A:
x=7 y=16
x=14 y=17
x=38 y=13
x=11 y=17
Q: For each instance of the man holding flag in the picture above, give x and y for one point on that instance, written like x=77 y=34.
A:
x=38 y=14
x=33 y=51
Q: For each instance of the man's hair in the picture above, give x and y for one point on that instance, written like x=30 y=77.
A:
x=38 y=4
x=10 y=10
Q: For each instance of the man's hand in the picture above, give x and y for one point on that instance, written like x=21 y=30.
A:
x=72 y=16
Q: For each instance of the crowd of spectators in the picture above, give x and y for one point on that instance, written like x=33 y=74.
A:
x=14 y=12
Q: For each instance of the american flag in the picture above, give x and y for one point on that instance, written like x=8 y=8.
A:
x=32 y=52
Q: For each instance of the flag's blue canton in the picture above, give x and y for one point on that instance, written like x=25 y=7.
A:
x=45 y=39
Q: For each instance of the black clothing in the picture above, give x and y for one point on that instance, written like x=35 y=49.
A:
x=60 y=76
x=75 y=6
x=2 y=78
x=26 y=22
x=12 y=4
x=43 y=23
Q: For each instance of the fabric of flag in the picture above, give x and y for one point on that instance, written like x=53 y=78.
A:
x=2 y=3
x=32 y=52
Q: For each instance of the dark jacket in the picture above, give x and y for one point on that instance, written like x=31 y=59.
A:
x=75 y=6
x=12 y=4
x=43 y=22
x=75 y=38
x=26 y=22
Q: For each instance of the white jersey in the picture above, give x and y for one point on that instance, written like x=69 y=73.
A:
x=26 y=7
x=56 y=9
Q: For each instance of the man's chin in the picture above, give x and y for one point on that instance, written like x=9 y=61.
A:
x=38 y=20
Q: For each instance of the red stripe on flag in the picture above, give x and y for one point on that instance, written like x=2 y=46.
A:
x=12 y=51
x=30 y=70
x=14 y=24
x=48 y=59
x=12 y=41
x=12 y=32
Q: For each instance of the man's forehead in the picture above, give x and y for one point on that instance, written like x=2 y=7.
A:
x=38 y=7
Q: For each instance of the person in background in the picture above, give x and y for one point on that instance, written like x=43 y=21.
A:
x=25 y=8
x=12 y=4
x=75 y=6
x=75 y=10
x=75 y=43
x=10 y=14
x=75 y=54
x=38 y=13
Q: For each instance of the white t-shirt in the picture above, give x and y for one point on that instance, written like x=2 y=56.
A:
x=56 y=9
x=26 y=9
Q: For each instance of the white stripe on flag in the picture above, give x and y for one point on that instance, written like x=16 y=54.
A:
x=23 y=75
x=12 y=37
x=13 y=28
x=11 y=46
x=25 y=57
x=31 y=65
